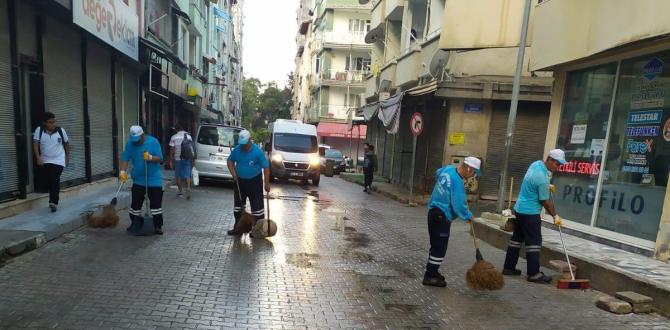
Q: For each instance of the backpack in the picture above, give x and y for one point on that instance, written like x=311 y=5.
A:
x=60 y=132
x=187 y=149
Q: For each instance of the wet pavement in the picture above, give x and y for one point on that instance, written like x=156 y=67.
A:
x=341 y=259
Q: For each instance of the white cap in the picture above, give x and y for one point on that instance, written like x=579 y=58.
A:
x=244 y=137
x=135 y=133
x=558 y=155
x=474 y=162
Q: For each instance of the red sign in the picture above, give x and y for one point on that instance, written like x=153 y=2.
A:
x=580 y=167
x=416 y=124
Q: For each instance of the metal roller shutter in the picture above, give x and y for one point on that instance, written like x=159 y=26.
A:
x=99 y=83
x=63 y=90
x=528 y=145
x=130 y=98
x=9 y=179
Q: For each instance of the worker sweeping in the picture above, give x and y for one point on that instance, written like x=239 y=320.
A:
x=535 y=194
x=251 y=171
x=448 y=202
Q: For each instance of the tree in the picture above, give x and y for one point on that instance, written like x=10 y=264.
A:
x=250 y=94
x=261 y=108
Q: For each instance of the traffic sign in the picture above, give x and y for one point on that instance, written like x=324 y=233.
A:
x=416 y=124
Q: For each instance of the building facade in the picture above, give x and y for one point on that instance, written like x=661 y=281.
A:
x=610 y=112
x=331 y=64
x=429 y=58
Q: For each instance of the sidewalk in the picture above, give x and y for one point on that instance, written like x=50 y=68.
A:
x=609 y=269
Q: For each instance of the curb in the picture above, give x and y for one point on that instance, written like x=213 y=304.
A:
x=399 y=199
x=603 y=277
x=22 y=245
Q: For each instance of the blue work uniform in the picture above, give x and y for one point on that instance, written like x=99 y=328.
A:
x=528 y=224
x=448 y=202
x=249 y=166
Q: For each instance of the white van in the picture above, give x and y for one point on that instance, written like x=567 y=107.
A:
x=293 y=151
x=213 y=145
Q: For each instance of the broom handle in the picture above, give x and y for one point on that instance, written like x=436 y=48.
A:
x=146 y=186
x=474 y=238
x=511 y=188
x=267 y=206
x=567 y=257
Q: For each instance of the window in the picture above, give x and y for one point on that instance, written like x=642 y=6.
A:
x=298 y=143
x=357 y=64
x=218 y=136
x=193 y=50
x=317 y=64
x=183 y=43
x=359 y=26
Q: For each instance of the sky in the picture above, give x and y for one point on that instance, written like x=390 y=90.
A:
x=269 y=39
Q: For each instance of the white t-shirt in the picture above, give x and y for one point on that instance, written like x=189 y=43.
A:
x=176 y=141
x=52 y=149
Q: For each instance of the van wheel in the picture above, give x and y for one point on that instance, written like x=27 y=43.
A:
x=315 y=180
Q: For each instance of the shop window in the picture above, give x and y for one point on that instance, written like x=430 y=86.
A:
x=582 y=132
x=636 y=171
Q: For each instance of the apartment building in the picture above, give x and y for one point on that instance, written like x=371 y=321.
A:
x=427 y=58
x=331 y=65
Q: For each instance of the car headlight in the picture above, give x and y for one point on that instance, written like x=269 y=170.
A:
x=314 y=161
x=277 y=158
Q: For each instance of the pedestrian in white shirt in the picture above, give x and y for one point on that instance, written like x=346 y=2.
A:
x=182 y=160
x=52 y=153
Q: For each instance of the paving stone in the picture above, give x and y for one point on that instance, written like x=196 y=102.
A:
x=641 y=303
x=614 y=305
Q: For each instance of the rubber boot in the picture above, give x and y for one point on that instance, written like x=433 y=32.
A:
x=136 y=225
x=133 y=223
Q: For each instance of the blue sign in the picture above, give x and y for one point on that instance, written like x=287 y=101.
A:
x=645 y=117
x=643 y=130
x=474 y=107
x=652 y=69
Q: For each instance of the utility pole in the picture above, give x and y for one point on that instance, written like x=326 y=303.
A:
x=513 y=107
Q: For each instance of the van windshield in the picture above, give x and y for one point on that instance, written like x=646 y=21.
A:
x=298 y=143
x=218 y=136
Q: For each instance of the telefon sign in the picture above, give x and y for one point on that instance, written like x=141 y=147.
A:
x=112 y=21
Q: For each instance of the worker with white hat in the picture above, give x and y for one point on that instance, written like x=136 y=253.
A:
x=535 y=194
x=448 y=202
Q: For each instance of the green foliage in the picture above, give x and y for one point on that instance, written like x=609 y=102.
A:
x=259 y=108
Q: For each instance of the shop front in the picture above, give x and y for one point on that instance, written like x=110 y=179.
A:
x=612 y=118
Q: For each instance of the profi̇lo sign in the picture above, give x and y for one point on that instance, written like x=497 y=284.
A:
x=110 y=20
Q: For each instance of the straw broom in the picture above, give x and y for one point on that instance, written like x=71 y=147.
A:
x=483 y=275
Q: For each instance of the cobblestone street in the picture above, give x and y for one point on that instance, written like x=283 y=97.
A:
x=341 y=259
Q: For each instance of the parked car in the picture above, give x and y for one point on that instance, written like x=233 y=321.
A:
x=213 y=144
x=339 y=162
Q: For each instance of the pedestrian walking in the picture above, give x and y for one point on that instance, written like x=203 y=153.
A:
x=448 y=202
x=251 y=171
x=535 y=194
x=51 y=147
x=182 y=160
x=369 y=166
x=144 y=154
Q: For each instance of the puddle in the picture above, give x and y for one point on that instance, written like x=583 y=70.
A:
x=356 y=255
x=400 y=308
x=302 y=260
x=357 y=239
x=349 y=229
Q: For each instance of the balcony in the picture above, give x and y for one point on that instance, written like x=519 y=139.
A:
x=393 y=9
x=340 y=78
x=409 y=67
x=339 y=40
x=341 y=4
x=331 y=112
x=378 y=14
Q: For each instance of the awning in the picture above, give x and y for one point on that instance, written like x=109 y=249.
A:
x=424 y=89
x=340 y=130
x=389 y=112
x=162 y=51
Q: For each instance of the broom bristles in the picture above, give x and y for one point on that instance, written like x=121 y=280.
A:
x=107 y=219
x=484 y=276
x=245 y=224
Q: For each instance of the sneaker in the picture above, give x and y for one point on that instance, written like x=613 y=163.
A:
x=53 y=207
x=511 y=272
x=232 y=232
x=365 y=190
x=434 y=281
x=180 y=195
x=158 y=231
x=539 y=278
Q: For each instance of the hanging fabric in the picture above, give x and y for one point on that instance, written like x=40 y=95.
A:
x=389 y=112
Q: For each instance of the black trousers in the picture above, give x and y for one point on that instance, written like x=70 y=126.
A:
x=369 y=175
x=439 y=229
x=52 y=175
x=528 y=230
x=155 y=204
x=251 y=189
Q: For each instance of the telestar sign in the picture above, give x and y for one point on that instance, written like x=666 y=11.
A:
x=110 y=20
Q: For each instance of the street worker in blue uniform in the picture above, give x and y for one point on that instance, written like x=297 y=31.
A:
x=250 y=169
x=535 y=194
x=448 y=202
x=144 y=150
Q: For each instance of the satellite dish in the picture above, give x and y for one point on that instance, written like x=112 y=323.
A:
x=384 y=86
x=363 y=2
x=438 y=64
x=376 y=34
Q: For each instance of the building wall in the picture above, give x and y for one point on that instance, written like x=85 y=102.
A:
x=475 y=127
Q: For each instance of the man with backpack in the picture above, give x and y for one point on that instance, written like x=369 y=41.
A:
x=182 y=160
x=52 y=154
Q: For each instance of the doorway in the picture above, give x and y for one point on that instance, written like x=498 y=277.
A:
x=32 y=110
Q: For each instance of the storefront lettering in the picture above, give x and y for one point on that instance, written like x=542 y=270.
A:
x=645 y=117
x=106 y=18
x=615 y=200
x=643 y=130
x=639 y=147
x=577 y=167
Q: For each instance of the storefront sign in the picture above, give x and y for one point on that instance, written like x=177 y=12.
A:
x=645 y=117
x=580 y=167
x=666 y=130
x=643 y=131
x=457 y=139
x=578 y=134
x=474 y=107
x=652 y=69
x=640 y=147
x=112 y=21
x=597 y=147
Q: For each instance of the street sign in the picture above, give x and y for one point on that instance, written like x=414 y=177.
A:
x=416 y=124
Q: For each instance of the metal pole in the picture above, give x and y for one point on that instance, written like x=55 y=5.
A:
x=411 y=173
x=513 y=107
